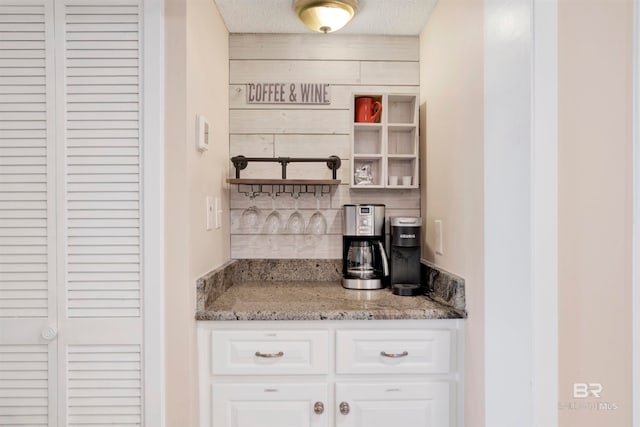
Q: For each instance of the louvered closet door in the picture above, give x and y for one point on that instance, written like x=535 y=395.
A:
x=27 y=214
x=70 y=206
x=100 y=304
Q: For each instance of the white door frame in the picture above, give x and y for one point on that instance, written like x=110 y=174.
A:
x=544 y=189
x=542 y=318
x=153 y=211
x=508 y=50
x=636 y=216
x=521 y=141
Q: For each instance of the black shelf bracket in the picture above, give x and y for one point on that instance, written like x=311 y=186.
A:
x=241 y=162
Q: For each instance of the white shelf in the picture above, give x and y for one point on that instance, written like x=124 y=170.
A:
x=401 y=126
x=390 y=147
x=362 y=125
x=367 y=140
x=368 y=186
x=402 y=109
x=401 y=156
x=367 y=156
x=376 y=166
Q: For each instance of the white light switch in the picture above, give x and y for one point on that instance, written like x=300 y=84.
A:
x=437 y=238
x=218 y=213
x=202 y=133
x=210 y=212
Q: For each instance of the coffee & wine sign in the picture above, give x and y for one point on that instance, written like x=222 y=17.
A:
x=288 y=93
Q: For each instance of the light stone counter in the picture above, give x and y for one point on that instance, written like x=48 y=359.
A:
x=312 y=300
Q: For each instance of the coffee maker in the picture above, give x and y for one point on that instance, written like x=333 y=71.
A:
x=405 y=255
x=364 y=260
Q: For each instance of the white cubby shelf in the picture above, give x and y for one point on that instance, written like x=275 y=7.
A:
x=390 y=145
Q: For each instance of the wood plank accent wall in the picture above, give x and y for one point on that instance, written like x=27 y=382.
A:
x=351 y=64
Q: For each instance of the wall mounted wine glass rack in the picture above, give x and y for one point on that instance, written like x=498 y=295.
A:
x=252 y=187
x=294 y=190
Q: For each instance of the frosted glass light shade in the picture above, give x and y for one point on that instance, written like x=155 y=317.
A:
x=325 y=16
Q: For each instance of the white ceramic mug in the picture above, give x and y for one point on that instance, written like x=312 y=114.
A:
x=406 y=180
x=393 y=180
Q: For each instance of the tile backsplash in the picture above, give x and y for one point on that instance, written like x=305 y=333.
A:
x=350 y=66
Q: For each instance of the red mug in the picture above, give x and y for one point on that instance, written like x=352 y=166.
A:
x=367 y=110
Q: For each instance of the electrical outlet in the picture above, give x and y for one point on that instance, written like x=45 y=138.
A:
x=209 y=213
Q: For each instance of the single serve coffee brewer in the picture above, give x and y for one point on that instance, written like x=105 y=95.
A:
x=405 y=256
x=364 y=260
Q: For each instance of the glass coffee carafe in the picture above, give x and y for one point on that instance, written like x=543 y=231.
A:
x=360 y=259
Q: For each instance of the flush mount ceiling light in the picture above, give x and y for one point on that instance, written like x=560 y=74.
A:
x=326 y=16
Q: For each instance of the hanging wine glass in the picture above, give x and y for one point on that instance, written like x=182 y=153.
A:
x=251 y=217
x=317 y=224
x=295 y=224
x=273 y=223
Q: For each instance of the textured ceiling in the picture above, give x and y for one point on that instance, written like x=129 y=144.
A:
x=391 y=17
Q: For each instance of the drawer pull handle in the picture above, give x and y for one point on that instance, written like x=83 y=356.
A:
x=318 y=408
x=394 y=355
x=270 y=355
x=344 y=408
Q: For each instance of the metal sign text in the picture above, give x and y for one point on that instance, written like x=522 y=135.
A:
x=288 y=93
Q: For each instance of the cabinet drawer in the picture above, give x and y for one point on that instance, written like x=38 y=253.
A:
x=393 y=351
x=269 y=352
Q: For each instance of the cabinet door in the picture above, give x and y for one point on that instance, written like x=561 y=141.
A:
x=269 y=405
x=392 y=404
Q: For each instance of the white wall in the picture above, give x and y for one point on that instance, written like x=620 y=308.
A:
x=595 y=206
x=595 y=182
x=207 y=94
x=451 y=77
x=350 y=64
x=196 y=82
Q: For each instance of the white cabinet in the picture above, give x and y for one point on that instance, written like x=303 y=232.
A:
x=384 y=404
x=269 y=405
x=330 y=373
x=387 y=149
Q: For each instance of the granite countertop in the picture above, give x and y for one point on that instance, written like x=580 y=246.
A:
x=315 y=300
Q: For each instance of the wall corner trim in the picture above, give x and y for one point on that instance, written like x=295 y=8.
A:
x=636 y=216
x=544 y=171
x=153 y=211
